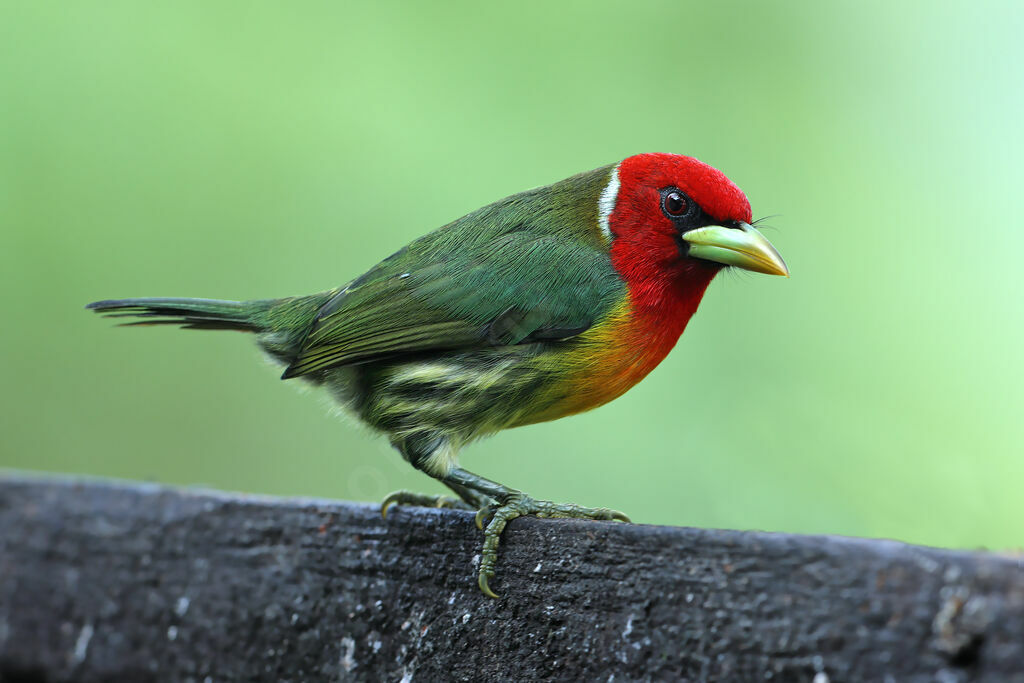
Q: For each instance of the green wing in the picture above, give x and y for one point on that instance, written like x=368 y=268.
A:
x=453 y=290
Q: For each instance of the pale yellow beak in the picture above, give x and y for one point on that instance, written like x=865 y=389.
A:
x=743 y=247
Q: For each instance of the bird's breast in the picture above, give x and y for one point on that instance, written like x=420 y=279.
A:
x=608 y=359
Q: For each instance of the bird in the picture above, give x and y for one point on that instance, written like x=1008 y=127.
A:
x=541 y=305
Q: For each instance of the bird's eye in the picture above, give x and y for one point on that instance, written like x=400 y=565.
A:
x=674 y=203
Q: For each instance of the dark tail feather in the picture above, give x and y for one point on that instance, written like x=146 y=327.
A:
x=195 y=314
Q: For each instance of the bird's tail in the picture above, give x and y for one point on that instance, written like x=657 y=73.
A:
x=281 y=325
x=196 y=314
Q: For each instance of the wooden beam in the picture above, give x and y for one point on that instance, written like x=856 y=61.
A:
x=135 y=582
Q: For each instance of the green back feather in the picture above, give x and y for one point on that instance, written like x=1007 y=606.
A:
x=531 y=266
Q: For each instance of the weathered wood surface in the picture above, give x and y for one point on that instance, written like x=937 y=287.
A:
x=133 y=582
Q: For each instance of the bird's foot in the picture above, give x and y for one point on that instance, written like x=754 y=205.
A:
x=492 y=520
x=421 y=500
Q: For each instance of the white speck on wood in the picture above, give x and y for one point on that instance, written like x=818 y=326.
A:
x=348 y=660
x=82 y=644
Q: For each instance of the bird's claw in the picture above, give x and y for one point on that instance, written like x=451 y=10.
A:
x=482 y=582
x=420 y=500
x=483 y=516
x=518 y=505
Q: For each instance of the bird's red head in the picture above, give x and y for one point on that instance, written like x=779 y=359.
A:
x=674 y=222
x=644 y=176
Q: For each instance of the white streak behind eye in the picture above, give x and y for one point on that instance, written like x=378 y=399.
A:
x=606 y=203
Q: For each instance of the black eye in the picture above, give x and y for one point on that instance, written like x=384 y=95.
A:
x=674 y=203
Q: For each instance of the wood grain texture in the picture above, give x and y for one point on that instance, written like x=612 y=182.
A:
x=132 y=582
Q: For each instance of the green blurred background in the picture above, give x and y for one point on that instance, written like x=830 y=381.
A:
x=251 y=150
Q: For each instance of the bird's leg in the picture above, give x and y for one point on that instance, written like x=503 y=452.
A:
x=470 y=500
x=424 y=500
x=510 y=504
x=496 y=504
x=475 y=500
x=418 y=451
